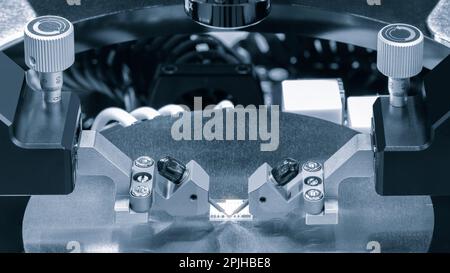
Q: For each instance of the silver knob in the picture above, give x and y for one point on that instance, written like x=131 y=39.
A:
x=400 y=57
x=49 y=50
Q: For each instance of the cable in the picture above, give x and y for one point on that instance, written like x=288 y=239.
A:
x=112 y=114
x=145 y=113
x=171 y=109
x=224 y=104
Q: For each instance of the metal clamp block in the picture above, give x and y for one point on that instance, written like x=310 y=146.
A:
x=188 y=197
x=267 y=199
x=354 y=159
x=99 y=157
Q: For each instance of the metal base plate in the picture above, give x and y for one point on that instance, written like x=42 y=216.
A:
x=85 y=218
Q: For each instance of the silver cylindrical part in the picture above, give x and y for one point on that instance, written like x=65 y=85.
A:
x=140 y=198
x=398 y=91
x=314 y=201
x=51 y=85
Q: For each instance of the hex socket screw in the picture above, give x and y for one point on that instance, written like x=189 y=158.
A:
x=144 y=162
x=312 y=166
x=313 y=181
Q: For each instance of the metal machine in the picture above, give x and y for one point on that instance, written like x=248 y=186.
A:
x=224 y=126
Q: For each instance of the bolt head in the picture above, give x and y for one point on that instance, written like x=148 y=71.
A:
x=313 y=181
x=312 y=166
x=142 y=177
x=144 y=162
x=140 y=191
x=314 y=195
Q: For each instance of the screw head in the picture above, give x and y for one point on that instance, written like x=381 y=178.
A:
x=142 y=177
x=140 y=191
x=312 y=166
x=144 y=162
x=313 y=181
x=314 y=195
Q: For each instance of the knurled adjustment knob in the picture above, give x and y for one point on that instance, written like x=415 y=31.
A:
x=400 y=51
x=49 y=44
